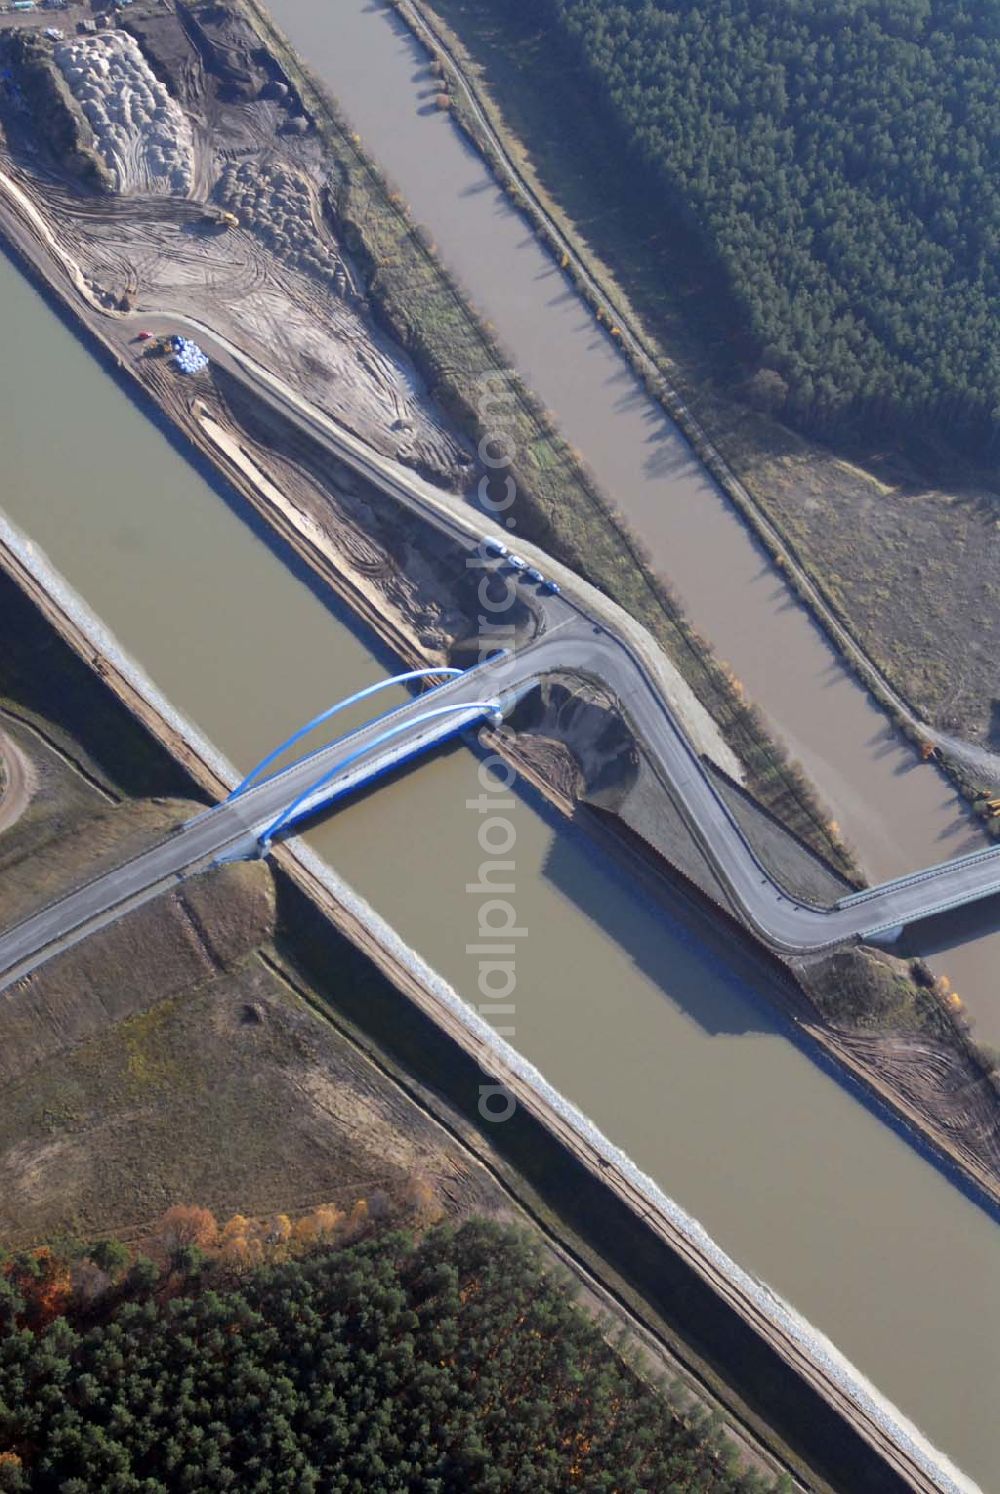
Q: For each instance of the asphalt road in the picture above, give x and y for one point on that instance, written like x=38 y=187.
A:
x=594 y=648
x=231 y=830
x=569 y=638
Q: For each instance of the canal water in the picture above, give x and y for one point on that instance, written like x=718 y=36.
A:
x=676 y=1059
x=899 y=814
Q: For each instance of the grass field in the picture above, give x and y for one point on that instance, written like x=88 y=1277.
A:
x=168 y=1059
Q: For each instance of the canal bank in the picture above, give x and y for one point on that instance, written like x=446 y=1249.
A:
x=733 y=1325
x=665 y=1049
x=897 y=813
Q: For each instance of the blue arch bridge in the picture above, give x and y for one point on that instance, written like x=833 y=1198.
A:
x=456 y=701
x=272 y=800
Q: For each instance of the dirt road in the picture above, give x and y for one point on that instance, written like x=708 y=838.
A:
x=19 y=784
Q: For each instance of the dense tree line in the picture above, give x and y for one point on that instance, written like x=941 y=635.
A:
x=456 y=1364
x=840 y=160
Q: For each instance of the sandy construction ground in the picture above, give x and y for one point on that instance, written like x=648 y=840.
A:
x=196 y=128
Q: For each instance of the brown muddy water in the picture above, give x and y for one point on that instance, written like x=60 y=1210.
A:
x=676 y=1059
x=897 y=813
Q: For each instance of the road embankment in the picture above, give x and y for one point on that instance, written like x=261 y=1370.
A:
x=820 y=1403
x=952 y=1141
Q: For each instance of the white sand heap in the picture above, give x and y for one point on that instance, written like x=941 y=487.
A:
x=142 y=133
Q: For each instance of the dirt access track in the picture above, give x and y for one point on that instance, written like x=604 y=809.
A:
x=222 y=137
x=17 y=782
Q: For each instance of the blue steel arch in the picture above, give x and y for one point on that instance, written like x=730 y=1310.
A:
x=334 y=710
x=485 y=708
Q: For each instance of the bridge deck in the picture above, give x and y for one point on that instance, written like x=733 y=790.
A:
x=235 y=827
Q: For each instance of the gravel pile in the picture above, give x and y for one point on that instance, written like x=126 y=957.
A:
x=280 y=206
x=141 y=132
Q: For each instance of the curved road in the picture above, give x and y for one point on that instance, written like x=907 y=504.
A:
x=569 y=641
x=598 y=648
x=20 y=782
x=578 y=631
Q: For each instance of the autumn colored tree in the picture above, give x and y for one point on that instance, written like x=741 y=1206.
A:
x=186 y=1224
x=39 y=1287
x=423 y=1201
x=460 y=1364
x=12 y=1479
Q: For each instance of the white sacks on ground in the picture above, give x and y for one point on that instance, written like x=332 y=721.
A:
x=188 y=356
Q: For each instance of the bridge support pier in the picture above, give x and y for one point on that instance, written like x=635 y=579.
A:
x=248 y=849
x=886 y=938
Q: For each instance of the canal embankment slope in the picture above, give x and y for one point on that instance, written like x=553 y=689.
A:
x=174 y=503
x=942 y=1089
x=929 y=1018
x=556 y=499
x=165 y=392
x=771 y=1344
x=897 y=812
x=796 y=493
x=249 y=606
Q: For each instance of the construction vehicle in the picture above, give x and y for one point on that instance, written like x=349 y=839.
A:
x=156 y=345
x=993 y=805
x=219 y=218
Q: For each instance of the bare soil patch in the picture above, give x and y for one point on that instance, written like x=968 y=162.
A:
x=913 y=567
